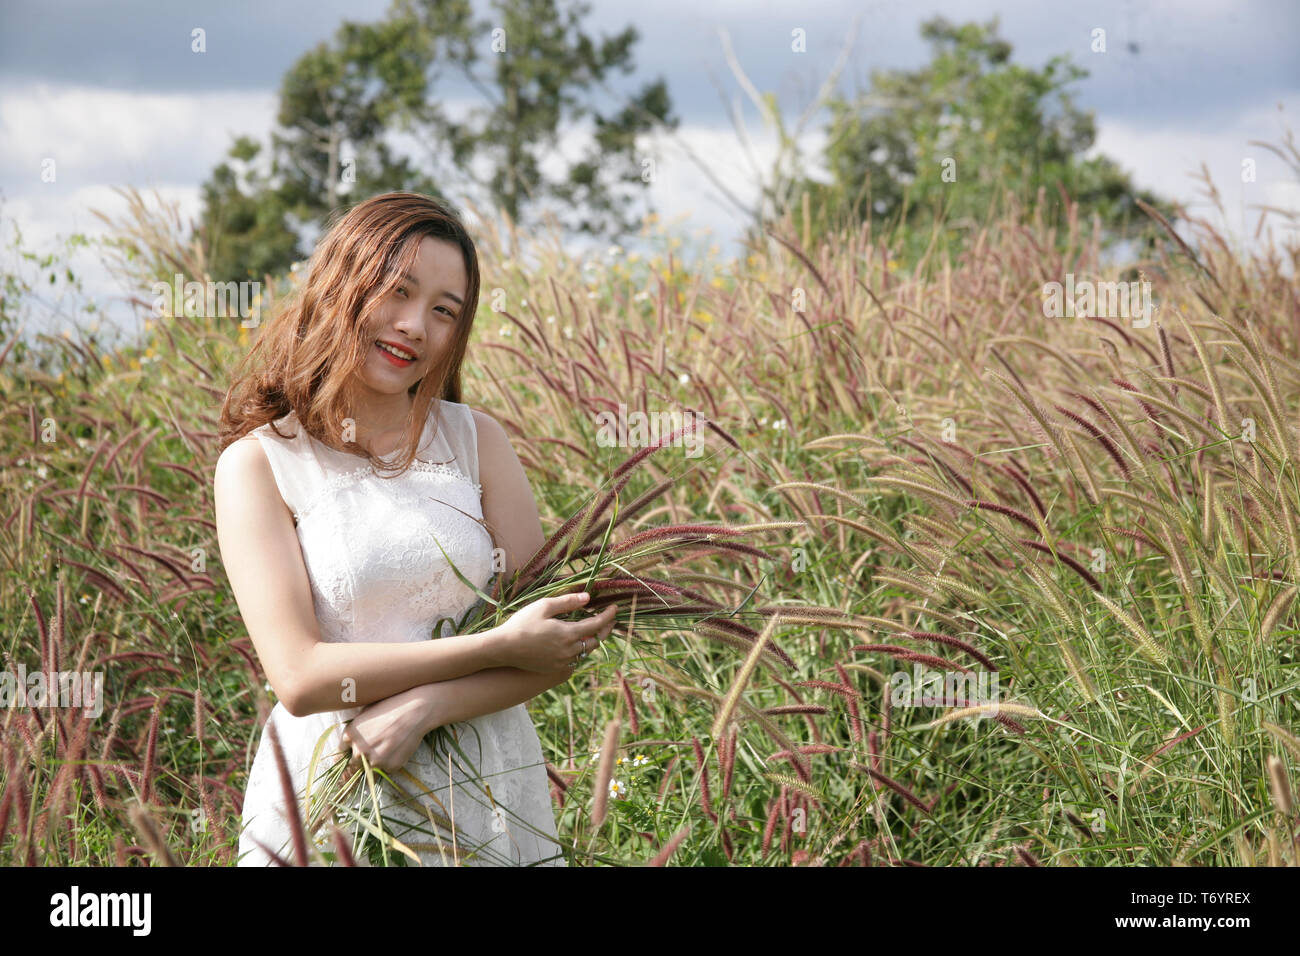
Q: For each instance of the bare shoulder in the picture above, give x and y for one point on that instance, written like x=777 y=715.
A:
x=243 y=465
x=242 y=453
x=509 y=504
x=488 y=427
x=499 y=468
x=493 y=442
x=244 y=484
x=241 y=456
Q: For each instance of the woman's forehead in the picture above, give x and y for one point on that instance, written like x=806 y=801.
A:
x=438 y=259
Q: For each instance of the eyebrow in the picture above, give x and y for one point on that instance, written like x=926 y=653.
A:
x=416 y=282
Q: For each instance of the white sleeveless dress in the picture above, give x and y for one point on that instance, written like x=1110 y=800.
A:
x=377 y=575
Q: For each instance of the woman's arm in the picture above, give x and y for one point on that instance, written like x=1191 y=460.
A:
x=263 y=560
x=485 y=692
x=510 y=512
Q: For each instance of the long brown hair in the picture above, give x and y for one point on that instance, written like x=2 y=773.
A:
x=309 y=350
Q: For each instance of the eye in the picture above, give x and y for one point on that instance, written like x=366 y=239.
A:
x=402 y=290
x=450 y=314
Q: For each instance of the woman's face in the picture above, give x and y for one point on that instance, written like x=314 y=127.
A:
x=419 y=319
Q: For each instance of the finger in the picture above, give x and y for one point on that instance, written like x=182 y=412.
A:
x=355 y=743
x=609 y=626
x=603 y=623
x=569 y=602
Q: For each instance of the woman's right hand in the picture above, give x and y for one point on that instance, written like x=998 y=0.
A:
x=533 y=639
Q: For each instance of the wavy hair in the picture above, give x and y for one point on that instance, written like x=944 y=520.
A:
x=306 y=354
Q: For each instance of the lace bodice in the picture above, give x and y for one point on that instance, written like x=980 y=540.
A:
x=371 y=542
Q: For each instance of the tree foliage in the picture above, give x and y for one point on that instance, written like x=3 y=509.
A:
x=948 y=141
x=536 y=73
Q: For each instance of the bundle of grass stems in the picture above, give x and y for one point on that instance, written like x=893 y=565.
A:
x=580 y=556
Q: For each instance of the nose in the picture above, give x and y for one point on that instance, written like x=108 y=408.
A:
x=410 y=321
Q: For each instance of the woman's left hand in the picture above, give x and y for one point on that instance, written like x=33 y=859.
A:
x=389 y=731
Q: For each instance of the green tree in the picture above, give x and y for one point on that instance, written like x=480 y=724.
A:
x=949 y=140
x=544 y=69
x=340 y=100
x=244 y=223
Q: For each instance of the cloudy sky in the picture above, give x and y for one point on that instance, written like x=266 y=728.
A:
x=113 y=93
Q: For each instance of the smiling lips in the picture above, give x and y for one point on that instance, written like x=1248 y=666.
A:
x=395 y=354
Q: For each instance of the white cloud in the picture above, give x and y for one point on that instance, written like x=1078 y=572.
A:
x=100 y=137
x=94 y=133
x=682 y=191
x=171 y=141
x=45 y=219
x=1168 y=160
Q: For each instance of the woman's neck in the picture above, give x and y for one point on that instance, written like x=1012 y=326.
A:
x=379 y=418
x=380 y=426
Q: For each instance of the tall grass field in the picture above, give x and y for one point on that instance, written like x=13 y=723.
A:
x=1034 y=575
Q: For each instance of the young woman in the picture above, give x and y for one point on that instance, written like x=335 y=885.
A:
x=350 y=475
